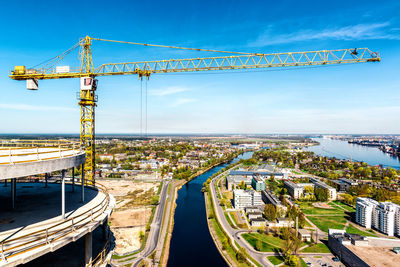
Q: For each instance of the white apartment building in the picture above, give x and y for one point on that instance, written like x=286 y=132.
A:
x=384 y=216
x=242 y=198
x=365 y=212
x=387 y=215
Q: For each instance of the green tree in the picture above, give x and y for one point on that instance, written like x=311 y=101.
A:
x=321 y=194
x=242 y=185
x=270 y=212
x=308 y=189
x=241 y=255
x=258 y=245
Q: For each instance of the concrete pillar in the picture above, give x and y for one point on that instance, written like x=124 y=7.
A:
x=73 y=179
x=12 y=194
x=88 y=248
x=104 y=228
x=15 y=188
x=83 y=182
x=63 y=194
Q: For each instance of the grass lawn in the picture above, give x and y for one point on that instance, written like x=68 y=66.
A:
x=221 y=235
x=229 y=221
x=265 y=247
x=309 y=209
x=307 y=224
x=303 y=263
x=326 y=222
x=235 y=219
x=275 y=260
x=317 y=248
x=344 y=206
x=353 y=230
x=269 y=242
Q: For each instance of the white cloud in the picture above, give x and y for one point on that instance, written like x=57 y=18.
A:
x=182 y=101
x=32 y=107
x=353 y=32
x=168 y=91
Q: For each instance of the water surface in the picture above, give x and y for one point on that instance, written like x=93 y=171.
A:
x=191 y=242
x=343 y=150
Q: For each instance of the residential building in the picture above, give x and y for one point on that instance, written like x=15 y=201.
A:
x=387 y=214
x=257 y=183
x=319 y=184
x=269 y=198
x=344 y=184
x=254 y=215
x=252 y=209
x=295 y=190
x=246 y=198
x=258 y=222
x=365 y=212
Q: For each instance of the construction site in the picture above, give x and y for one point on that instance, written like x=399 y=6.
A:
x=48 y=207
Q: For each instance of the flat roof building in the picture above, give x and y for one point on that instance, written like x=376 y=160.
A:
x=246 y=198
x=269 y=198
x=319 y=184
x=257 y=183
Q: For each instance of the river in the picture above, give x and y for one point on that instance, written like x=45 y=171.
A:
x=343 y=150
x=191 y=242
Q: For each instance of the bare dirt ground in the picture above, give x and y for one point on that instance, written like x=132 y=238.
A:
x=322 y=205
x=129 y=216
x=377 y=256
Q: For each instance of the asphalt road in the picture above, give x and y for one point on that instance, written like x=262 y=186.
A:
x=155 y=227
x=233 y=233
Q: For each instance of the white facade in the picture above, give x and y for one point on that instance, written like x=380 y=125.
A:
x=365 y=212
x=384 y=216
x=242 y=198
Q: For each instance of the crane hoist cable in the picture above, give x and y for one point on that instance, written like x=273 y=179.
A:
x=141 y=107
x=146 y=108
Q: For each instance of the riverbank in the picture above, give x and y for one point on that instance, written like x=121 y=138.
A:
x=165 y=252
x=191 y=233
x=228 y=247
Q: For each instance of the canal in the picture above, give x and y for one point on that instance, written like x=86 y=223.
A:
x=191 y=242
x=343 y=150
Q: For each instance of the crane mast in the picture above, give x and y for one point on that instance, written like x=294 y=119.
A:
x=87 y=73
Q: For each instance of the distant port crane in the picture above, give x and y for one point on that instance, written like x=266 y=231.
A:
x=237 y=60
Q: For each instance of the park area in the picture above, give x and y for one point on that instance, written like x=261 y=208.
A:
x=270 y=243
x=333 y=214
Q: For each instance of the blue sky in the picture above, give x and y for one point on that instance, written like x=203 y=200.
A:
x=356 y=98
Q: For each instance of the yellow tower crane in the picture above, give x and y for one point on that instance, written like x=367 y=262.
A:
x=238 y=60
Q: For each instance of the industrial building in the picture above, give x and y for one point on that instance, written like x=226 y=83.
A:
x=45 y=209
x=360 y=251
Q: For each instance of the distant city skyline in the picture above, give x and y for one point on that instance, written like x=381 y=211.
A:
x=354 y=98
